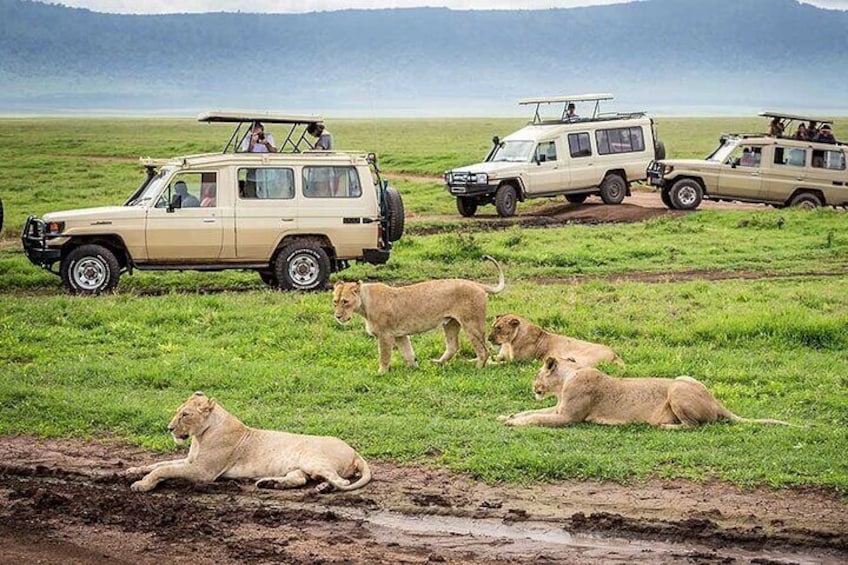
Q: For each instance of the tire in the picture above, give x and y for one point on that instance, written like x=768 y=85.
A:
x=806 y=200
x=394 y=211
x=659 y=150
x=467 y=207
x=269 y=278
x=666 y=199
x=686 y=194
x=302 y=265
x=506 y=200
x=613 y=189
x=576 y=198
x=90 y=269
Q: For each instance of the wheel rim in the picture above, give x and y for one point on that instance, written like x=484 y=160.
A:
x=509 y=201
x=90 y=273
x=615 y=191
x=304 y=270
x=687 y=195
x=806 y=204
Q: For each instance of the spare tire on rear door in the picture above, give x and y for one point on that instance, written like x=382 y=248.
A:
x=394 y=213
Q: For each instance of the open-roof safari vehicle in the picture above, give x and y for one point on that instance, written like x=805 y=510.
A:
x=565 y=155
x=294 y=216
x=759 y=167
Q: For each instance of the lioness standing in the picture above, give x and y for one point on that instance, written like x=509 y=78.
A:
x=222 y=446
x=588 y=395
x=393 y=314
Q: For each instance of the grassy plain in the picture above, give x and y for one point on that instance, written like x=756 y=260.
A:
x=120 y=364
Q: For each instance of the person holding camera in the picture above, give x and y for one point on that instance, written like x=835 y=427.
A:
x=324 y=139
x=257 y=141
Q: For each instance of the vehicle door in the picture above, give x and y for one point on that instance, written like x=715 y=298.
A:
x=583 y=173
x=340 y=201
x=266 y=211
x=741 y=173
x=178 y=228
x=789 y=168
x=546 y=173
x=828 y=173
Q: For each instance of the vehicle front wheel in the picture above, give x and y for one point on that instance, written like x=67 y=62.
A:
x=506 y=200
x=806 y=200
x=90 y=269
x=613 y=189
x=666 y=199
x=576 y=198
x=302 y=265
x=467 y=207
x=686 y=194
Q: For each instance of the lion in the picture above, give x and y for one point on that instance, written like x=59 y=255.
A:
x=522 y=340
x=392 y=314
x=222 y=446
x=585 y=394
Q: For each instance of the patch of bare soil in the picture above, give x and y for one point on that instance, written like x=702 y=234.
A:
x=69 y=502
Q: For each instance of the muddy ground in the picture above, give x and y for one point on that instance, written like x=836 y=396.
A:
x=69 y=502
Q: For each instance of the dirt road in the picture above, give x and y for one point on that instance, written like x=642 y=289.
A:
x=69 y=502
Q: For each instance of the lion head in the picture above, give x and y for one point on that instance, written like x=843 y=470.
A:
x=190 y=419
x=552 y=376
x=505 y=329
x=346 y=300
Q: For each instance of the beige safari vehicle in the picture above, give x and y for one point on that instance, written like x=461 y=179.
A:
x=566 y=155
x=294 y=216
x=770 y=169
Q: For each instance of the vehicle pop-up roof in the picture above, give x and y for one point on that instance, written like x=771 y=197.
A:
x=787 y=119
x=295 y=141
x=566 y=100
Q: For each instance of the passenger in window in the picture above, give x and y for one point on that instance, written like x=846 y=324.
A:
x=324 y=139
x=209 y=196
x=825 y=135
x=183 y=198
x=801 y=132
x=257 y=141
x=776 y=127
x=571 y=113
x=812 y=130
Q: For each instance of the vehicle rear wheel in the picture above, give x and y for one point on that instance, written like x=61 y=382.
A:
x=806 y=200
x=269 y=278
x=686 y=194
x=666 y=199
x=90 y=269
x=466 y=206
x=613 y=189
x=576 y=198
x=506 y=200
x=395 y=212
x=302 y=265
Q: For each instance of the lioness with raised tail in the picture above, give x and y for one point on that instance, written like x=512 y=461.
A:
x=392 y=314
x=522 y=340
x=222 y=446
x=588 y=395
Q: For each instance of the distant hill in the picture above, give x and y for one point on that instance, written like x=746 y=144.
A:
x=672 y=56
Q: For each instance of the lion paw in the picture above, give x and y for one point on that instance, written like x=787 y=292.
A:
x=504 y=418
x=141 y=486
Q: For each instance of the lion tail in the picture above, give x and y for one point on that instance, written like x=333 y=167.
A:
x=501 y=281
x=364 y=474
x=617 y=361
x=768 y=421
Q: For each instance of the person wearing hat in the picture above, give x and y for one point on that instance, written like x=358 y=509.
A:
x=571 y=114
x=825 y=135
x=324 y=139
x=257 y=141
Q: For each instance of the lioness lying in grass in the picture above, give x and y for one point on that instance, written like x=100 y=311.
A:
x=588 y=395
x=222 y=446
x=393 y=314
x=522 y=340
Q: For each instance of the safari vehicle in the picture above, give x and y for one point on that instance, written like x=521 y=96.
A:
x=294 y=216
x=566 y=155
x=757 y=167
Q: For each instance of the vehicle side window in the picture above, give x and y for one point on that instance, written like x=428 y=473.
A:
x=546 y=151
x=746 y=156
x=266 y=184
x=824 y=159
x=185 y=190
x=578 y=145
x=619 y=140
x=331 y=182
x=790 y=156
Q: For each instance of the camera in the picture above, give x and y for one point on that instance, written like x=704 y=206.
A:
x=261 y=137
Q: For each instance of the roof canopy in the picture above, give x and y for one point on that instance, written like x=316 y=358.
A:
x=572 y=98
x=785 y=116
x=235 y=116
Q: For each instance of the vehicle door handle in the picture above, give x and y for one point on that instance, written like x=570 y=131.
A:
x=755 y=174
x=286 y=219
x=208 y=220
x=799 y=178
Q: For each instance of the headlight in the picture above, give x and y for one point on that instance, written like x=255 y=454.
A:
x=667 y=169
x=447 y=178
x=54 y=228
x=481 y=178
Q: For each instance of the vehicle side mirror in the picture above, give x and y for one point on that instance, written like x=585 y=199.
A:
x=541 y=158
x=176 y=202
x=734 y=163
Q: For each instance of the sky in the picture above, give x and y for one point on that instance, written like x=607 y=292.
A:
x=293 y=6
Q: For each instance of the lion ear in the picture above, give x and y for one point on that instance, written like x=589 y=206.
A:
x=210 y=405
x=514 y=322
x=338 y=284
x=551 y=363
x=199 y=393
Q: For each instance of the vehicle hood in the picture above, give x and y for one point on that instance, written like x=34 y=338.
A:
x=491 y=168
x=690 y=164
x=89 y=215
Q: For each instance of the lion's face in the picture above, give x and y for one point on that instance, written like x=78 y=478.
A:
x=551 y=376
x=190 y=418
x=505 y=329
x=346 y=299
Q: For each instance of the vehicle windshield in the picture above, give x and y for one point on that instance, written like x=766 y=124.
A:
x=723 y=152
x=513 y=151
x=153 y=188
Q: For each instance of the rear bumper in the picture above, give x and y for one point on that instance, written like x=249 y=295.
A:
x=376 y=256
x=35 y=244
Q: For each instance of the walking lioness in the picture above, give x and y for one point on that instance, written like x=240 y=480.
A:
x=222 y=446
x=588 y=395
x=393 y=314
x=522 y=340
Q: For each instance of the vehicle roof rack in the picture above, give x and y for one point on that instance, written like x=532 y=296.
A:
x=785 y=116
x=596 y=98
x=295 y=141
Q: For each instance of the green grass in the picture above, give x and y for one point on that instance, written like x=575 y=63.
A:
x=119 y=365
